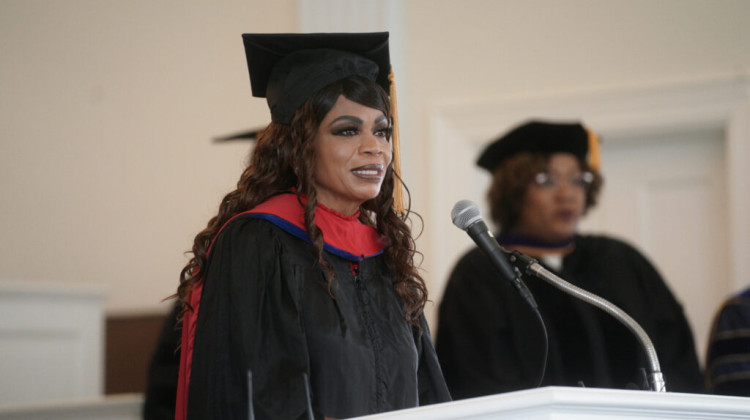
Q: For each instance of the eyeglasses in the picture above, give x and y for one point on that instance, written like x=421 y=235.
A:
x=546 y=180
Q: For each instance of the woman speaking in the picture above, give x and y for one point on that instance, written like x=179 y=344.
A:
x=302 y=297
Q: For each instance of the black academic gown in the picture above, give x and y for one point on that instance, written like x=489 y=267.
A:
x=266 y=309
x=489 y=340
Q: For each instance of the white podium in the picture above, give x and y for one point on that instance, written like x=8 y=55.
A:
x=563 y=403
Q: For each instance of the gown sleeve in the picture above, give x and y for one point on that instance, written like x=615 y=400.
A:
x=248 y=323
x=163 y=371
x=432 y=387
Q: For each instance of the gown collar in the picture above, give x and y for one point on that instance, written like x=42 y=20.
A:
x=517 y=239
x=344 y=236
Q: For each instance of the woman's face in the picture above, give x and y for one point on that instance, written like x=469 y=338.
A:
x=555 y=200
x=353 y=152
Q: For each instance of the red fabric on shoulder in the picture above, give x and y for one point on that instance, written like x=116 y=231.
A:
x=345 y=233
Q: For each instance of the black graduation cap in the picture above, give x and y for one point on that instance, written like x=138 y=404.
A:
x=543 y=137
x=287 y=69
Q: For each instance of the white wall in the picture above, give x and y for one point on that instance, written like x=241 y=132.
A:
x=107 y=111
x=107 y=108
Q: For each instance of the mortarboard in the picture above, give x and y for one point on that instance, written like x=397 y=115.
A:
x=287 y=69
x=544 y=138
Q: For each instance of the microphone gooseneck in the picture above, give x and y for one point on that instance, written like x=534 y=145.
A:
x=532 y=266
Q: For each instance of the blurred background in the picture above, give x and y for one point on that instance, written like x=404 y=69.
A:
x=108 y=168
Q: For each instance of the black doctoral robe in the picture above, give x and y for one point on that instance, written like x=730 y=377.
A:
x=266 y=308
x=489 y=340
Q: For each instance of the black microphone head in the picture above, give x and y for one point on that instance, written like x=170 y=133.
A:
x=465 y=213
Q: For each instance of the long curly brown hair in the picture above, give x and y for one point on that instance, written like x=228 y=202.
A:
x=511 y=179
x=284 y=158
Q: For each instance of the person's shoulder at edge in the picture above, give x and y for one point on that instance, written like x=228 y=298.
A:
x=605 y=244
x=598 y=240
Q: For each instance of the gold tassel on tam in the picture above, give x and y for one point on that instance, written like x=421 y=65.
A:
x=398 y=189
x=594 y=156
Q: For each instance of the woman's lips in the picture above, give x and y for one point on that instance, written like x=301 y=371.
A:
x=372 y=171
x=566 y=214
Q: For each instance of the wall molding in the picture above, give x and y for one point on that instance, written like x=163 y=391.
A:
x=51 y=339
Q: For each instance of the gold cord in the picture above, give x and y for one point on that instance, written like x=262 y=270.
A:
x=398 y=190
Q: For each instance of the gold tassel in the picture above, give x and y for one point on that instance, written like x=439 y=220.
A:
x=594 y=156
x=398 y=190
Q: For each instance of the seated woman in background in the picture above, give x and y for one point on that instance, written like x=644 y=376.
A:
x=303 y=291
x=545 y=178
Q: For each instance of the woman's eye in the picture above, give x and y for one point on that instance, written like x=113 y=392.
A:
x=346 y=131
x=384 y=132
x=544 y=180
x=584 y=180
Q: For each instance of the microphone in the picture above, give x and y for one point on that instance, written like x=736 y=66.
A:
x=466 y=216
